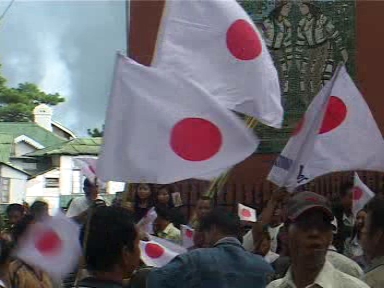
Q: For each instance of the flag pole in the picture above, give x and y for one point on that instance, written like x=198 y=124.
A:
x=218 y=183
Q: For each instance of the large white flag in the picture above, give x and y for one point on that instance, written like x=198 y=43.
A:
x=162 y=128
x=337 y=133
x=361 y=195
x=216 y=43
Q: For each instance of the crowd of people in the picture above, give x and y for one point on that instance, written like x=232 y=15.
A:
x=299 y=240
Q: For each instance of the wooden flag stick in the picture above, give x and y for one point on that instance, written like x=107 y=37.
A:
x=218 y=183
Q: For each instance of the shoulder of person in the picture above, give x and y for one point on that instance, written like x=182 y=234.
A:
x=347 y=280
x=375 y=277
x=276 y=283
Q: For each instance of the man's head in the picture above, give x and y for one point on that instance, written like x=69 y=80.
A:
x=15 y=213
x=91 y=190
x=112 y=243
x=310 y=229
x=39 y=210
x=372 y=238
x=203 y=206
x=219 y=223
x=162 y=221
x=346 y=196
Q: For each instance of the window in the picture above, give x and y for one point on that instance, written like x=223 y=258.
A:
x=4 y=189
x=51 y=182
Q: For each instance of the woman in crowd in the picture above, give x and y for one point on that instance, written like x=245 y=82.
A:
x=22 y=275
x=353 y=248
x=143 y=200
x=164 y=200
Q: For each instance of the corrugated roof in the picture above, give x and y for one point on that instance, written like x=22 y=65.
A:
x=75 y=147
x=6 y=142
x=33 y=131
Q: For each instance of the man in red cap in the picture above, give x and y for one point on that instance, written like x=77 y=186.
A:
x=309 y=236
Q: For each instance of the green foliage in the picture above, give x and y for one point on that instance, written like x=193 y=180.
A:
x=17 y=104
x=95 y=132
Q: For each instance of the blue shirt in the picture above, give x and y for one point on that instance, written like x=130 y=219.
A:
x=226 y=265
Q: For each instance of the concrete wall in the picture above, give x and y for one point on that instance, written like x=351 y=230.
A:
x=18 y=182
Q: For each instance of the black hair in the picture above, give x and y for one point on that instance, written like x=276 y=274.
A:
x=111 y=229
x=37 y=208
x=226 y=222
x=164 y=213
x=344 y=188
x=87 y=185
x=15 y=207
x=375 y=208
x=206 y=198
x=151 y=197
x=275 y=13
x=170 y=190
x=314 y=10
x=20 y=228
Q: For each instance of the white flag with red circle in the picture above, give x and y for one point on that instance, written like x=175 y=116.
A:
x=87 y=166
x=246 y=213
x=163 y=128
x=158 y=252
x=361 y=195
x=187 y=236
x=337 y=133
x=52 y=245
x=216 y=43
x=146 y=223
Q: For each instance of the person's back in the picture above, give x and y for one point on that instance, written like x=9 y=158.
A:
x=344 y=264
x=225 y=264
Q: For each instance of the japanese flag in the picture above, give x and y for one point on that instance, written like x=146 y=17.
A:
x=146 y=223
x=337 y=133
x=158 y=252
x=187 y=236
x=246 y=213
x=52 y=246
x=215 y=43
x=163 y=128
x=361 y=195
x=88 y=168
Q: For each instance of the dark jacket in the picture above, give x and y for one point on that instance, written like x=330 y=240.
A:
x=226 y=265
x=91 y=282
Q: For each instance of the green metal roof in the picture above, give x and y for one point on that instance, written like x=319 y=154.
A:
x=6 y=142
x=32 y=130
x=75 y=147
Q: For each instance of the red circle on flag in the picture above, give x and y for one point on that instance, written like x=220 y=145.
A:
x=48 y=243
x=246 y=213
x=243 y=41
x=153 y=250
x=189 y=233
x=334 y=116
x=357 y=193
x=196 y=139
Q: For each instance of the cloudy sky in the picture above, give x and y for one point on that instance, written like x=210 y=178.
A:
x=66 y=47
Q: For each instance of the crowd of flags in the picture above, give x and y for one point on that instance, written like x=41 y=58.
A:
x=174 y=121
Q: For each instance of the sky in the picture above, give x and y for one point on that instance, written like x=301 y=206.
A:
x=67 y=47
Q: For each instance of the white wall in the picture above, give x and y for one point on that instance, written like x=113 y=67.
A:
x=66 y=167
x=23 y=148
x=18 y=183
x=36 y=190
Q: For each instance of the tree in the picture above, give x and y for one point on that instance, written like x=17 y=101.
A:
x=17 y=104
x=95 y=132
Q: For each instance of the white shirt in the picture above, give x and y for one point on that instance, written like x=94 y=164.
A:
x=78 y=206
x=271 y=257
x=329 y=277
x=343 y=263
x=273 y=232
